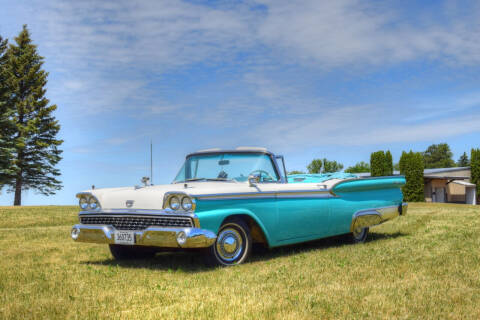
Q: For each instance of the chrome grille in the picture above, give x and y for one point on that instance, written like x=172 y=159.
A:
x=138 y=223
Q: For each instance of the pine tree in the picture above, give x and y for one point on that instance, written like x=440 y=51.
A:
x=463 y=160
x=6 y=124
x=388 y=168
x=35 y=143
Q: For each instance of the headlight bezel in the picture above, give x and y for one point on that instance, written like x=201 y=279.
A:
x=83 y=203
x=174 y=203
x=92 y=203
x=182 y=198
x=187 y=206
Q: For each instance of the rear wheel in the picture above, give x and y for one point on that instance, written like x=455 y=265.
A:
x=123 y=252
x=359 y=235
x=233 y=244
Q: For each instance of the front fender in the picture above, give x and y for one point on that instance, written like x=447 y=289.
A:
x=212 y=219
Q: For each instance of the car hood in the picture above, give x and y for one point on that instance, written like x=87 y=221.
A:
x=151 y=197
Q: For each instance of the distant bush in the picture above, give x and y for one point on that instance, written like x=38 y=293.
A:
x=328 y=166
x=315 y=166
x=411 y=166
x=296 y=172
x=359 y=167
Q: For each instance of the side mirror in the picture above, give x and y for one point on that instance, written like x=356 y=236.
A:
x=253 y=179
x=145 y=181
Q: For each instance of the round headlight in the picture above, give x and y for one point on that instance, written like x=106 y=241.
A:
x=83 y=203
x=92 y=203
x=187 y=203
x=174 y=203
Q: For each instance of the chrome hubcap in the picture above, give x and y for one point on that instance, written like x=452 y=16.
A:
x=229 y=244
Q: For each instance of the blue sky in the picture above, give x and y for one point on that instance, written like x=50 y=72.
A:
x=307 y=79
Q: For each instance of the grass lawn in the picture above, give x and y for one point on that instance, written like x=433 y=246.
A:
x=423 y=265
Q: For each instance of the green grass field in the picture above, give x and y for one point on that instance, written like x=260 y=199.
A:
x=423 y=265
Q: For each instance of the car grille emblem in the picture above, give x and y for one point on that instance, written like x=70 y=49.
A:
x=129 y=203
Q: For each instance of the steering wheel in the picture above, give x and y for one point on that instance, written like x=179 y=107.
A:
x=267 y=175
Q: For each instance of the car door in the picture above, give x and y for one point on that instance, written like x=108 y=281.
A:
x=303 y=211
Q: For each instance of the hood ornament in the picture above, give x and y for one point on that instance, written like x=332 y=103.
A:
x=129 y=203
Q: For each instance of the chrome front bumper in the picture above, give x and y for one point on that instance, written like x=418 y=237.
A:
x=151 y=236
x=372 y=217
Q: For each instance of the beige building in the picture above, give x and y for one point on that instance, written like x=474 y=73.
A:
x=449 y=185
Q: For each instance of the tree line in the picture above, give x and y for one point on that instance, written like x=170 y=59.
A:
x=29 y=147
x=411 y=165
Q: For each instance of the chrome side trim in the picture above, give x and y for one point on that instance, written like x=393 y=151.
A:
x=375 y=216
x=266 y=195
x=152 y=236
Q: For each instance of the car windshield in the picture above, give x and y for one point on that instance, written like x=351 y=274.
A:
x=227 y=166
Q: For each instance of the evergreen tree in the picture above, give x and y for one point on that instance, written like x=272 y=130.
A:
x=401 y=163
x=475 y=169
x=35 y=143
x=377 y=164
x=438 y=156
x=388 y=166
x=463 y=160
x=6 y=124
x=411 y=166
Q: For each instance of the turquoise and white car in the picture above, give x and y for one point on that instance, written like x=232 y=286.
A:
x=223 y=201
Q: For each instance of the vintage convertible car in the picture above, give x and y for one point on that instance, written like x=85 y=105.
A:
x=225 y=200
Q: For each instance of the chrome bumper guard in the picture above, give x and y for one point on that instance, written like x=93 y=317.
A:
x=151 y=236
x=372 y=217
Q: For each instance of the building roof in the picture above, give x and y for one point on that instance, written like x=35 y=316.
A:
x=464 y=183
x=439 y=170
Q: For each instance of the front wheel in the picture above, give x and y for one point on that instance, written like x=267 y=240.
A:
x=233 y=244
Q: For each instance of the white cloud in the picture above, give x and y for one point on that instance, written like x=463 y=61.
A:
x=108 y=54
x=160 y=35
x=343 y=32
x=359 y=126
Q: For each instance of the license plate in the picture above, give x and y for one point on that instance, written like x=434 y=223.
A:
x=124 y=237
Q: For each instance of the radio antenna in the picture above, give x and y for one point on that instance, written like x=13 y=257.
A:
x=151 y=162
